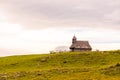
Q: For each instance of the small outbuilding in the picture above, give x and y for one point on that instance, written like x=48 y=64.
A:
x=80 y=45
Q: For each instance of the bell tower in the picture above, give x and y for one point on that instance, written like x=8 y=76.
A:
x=74 y=39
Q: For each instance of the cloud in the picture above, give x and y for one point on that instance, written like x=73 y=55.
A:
x=8 y=29
x=51 y=13
x=31 y=25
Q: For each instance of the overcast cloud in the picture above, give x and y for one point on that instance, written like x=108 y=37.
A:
x=28 y=26
x=66 y=13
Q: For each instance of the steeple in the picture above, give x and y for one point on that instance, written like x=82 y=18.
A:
x=74 y=39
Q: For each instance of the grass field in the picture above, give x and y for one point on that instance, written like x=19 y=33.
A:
x=62 y=66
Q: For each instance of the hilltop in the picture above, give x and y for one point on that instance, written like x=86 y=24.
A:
x=62 y=66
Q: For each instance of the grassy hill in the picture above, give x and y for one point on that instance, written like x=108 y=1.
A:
x=62 y=66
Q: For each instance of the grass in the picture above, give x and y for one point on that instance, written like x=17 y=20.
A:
x=62 y=66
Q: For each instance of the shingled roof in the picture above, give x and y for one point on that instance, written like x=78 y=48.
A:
x=80 y=44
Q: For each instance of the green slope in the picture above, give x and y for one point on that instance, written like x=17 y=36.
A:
x=62 y=66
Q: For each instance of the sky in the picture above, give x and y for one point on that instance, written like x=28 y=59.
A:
x=39 y=26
